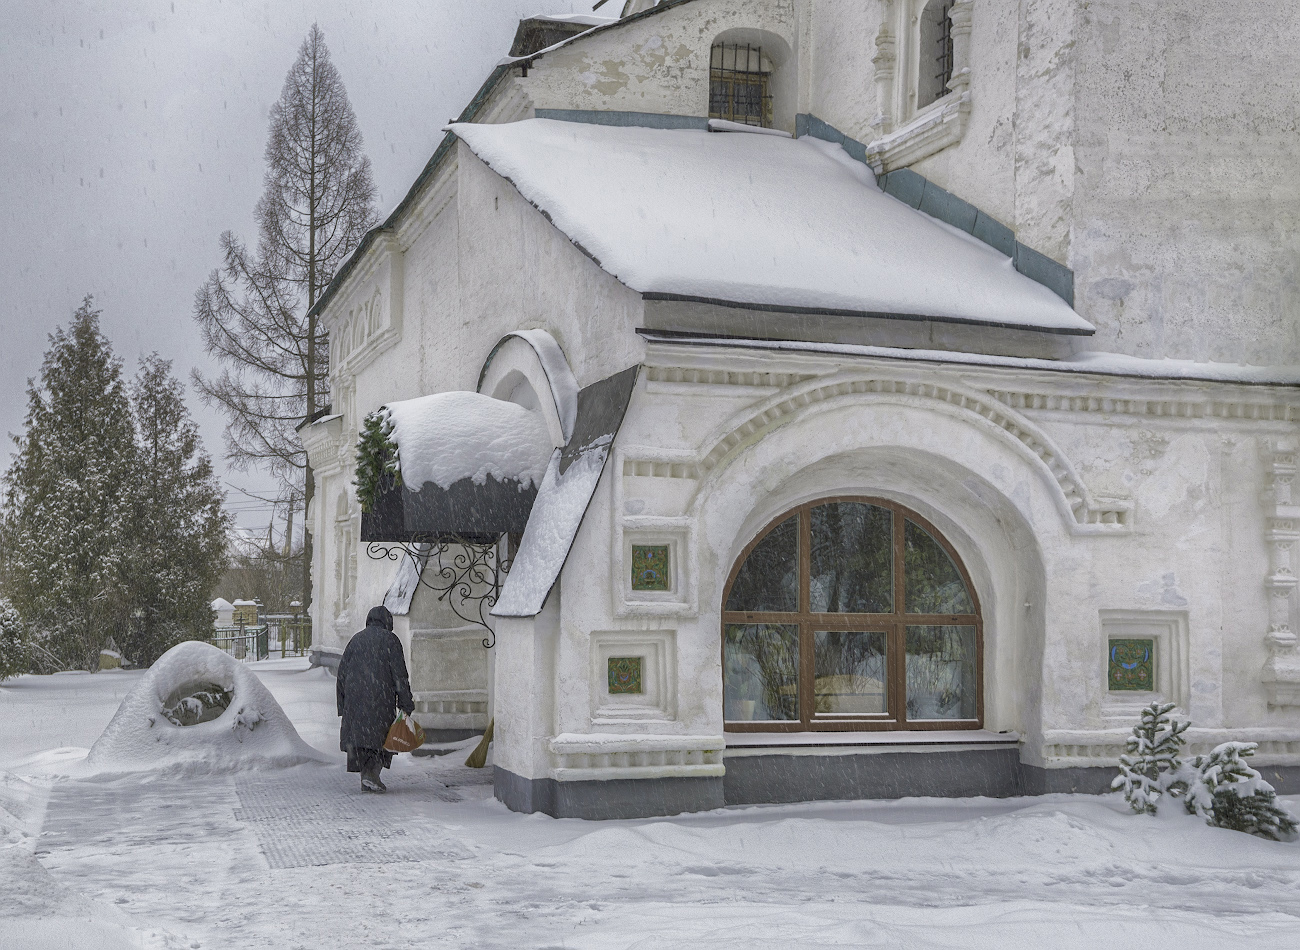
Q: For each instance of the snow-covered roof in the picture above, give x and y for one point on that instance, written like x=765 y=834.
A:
x=757 y=220
x=222 y=604
x=571 y=479
x=449 y=436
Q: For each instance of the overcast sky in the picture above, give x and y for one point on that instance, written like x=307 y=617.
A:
x=133 y=134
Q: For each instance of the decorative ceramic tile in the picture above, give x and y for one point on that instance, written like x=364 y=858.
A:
x=650 y=567
x=1132 y=665
x=625 y=674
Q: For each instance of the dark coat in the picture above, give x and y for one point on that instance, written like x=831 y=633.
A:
x=372 y=681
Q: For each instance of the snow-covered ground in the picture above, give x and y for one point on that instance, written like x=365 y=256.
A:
x=299 y=858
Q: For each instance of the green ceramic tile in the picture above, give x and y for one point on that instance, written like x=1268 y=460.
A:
x=650 y=567
x=1131 y=665
x=625 y=674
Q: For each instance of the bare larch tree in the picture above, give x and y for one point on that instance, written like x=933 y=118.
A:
x=255 y=310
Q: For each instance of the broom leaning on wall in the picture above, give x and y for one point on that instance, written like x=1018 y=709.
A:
x=478 y=758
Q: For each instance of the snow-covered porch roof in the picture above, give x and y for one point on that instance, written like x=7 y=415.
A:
x=761 y=221
x=469 y=466
x=473 y=468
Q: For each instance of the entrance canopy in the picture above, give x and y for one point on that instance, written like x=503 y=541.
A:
x=454 y=464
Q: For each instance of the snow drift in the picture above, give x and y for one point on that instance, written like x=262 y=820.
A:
x=251 y=732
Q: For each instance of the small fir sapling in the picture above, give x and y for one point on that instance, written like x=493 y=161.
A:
x=1150 y=758
x=15 y=650
x=1228 y=793
x=377 y=456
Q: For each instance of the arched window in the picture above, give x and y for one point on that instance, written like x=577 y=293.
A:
x=850 y=613
x=934 y=58
x=740 y=81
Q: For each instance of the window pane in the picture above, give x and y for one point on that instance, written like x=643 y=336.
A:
x=941 y=682
x=769 y=578
x=760 y=672
x=749 y=101
x=933 y=583
x=719 y=98
x=850 y=673
x=852 y=559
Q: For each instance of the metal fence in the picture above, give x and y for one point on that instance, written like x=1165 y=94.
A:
x=282 y=634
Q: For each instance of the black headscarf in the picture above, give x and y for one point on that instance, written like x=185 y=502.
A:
x=380 y=617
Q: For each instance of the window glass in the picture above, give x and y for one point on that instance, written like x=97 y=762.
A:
x=932 y=583
x=850 y=673
x=739 y=85
x=769 y=578
x=852 y=559
x=760 y=669
x=941 y=681
x=935 y=47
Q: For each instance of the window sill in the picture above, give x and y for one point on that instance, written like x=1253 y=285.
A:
x=937 y=740
x=941 y=124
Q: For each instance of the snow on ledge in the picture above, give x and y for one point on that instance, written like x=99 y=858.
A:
x=572 y=743
x=924 y=739
x=253 y=732
x=564 y=386
x=726 y=125
x=450 y=436
x=756 y=220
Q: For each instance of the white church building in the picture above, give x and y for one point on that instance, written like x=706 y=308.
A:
x=769 y=400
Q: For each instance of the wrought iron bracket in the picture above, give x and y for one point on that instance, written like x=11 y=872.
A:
x=466 y=573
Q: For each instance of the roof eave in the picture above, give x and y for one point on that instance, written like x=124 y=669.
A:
x=864 y=314
x=662 y=7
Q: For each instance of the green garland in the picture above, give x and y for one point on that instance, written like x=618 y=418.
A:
x=377 y=456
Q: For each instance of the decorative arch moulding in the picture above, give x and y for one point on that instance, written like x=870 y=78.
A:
x=1082 y=513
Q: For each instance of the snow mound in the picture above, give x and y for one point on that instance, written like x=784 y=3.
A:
x=251 y=732
x=20 y=808
x=453 y=435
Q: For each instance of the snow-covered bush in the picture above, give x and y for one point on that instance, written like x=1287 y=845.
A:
x=1228 y=793
x=1150 y=763
x=198 y=709
x=15 y=647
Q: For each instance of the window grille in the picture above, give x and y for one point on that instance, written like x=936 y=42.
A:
x=936 y=53
x=739 y=87
x=943 y=57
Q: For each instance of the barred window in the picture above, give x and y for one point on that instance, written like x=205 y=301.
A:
x=934 y=66
x=740 y=85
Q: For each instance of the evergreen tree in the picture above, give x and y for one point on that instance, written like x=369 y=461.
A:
x=177 y=527
x=1228 y=793
x=67 y=493
x=15 y=649
x=1150 y=758
x=255 y=310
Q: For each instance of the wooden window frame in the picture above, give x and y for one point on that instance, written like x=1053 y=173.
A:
x=894 y=625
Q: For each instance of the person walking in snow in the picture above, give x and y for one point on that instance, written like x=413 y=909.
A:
x=372 y=681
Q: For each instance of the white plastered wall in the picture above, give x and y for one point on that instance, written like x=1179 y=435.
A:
x=660 y=64
x=1190 y=550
